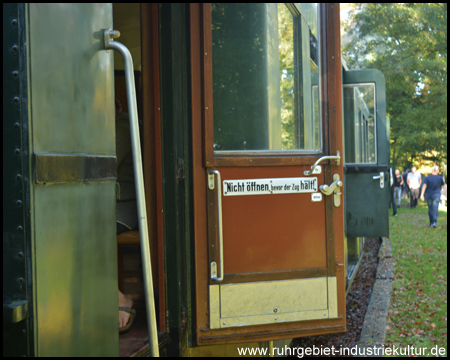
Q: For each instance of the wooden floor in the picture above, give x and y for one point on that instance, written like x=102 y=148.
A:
x=135 y=341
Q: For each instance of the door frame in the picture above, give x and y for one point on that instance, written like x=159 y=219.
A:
x=203 y=160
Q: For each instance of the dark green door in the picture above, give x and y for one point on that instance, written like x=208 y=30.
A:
x=366 y=154
x=72 y=150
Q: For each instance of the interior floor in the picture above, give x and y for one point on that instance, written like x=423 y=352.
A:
x=135 y=341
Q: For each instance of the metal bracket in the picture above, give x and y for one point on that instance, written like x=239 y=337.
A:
x=336 y=157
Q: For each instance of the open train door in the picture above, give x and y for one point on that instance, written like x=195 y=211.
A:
x=266 y=90
x=366 y=160
x=71 y=166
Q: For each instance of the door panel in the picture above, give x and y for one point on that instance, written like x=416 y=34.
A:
x=73 y=193
x=262 y=227
x=366 y=154
x=266 y=122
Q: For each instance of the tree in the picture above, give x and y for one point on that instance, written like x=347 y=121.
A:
x=408 y=43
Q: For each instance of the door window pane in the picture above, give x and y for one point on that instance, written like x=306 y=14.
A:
x=360 y=124
x=266 y=77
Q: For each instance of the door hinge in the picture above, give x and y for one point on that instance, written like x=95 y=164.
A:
x=15 y=311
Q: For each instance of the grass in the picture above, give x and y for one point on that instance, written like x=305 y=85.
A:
x=418 y=310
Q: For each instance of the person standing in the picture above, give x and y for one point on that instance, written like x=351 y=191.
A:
x=432 y=188
x=405 y=184
x=392 y=185
x=414 y=181
x=398 y=187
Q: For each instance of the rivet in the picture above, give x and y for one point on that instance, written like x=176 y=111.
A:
x=224 y=323
x=14 y=21
x=17 y=125
x=15 y=48
x=19 y=228
x=19 y=177
x=207 y=108
x=17 y=151
x=19 y=202
x=15 y=73
x=20 y=254
x=16 y=99
x=206 y=53
x=275 y=310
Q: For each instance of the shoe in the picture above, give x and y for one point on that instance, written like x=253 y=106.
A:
x=395 y=214
x=132 y=313
x=434 y=225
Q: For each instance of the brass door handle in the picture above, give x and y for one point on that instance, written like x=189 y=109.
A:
x=333 y=188
x=328 y=190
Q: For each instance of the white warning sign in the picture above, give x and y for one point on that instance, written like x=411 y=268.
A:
x=270 y=186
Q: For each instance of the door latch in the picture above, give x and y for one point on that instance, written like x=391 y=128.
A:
x=334 y=188
x=381 y=177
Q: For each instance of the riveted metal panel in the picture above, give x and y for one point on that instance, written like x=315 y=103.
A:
x=17 y=291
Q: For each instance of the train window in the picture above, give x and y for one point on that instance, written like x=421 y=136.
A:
x=265 y=70
x=360 y=116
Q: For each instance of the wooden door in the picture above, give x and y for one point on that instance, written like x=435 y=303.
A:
x=266 y=93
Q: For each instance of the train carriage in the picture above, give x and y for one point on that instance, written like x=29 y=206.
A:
x=261 y=163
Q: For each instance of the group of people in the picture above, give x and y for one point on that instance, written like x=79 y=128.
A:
x=411 y=182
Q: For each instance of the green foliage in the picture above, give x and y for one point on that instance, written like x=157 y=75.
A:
x=408 y=43
x=418 y=309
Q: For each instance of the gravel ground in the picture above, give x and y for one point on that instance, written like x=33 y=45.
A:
x=358 y=300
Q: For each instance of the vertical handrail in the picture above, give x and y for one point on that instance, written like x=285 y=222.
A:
x=220 y=229
x=109 y=35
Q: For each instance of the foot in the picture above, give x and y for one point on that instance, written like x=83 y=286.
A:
x=124 y=316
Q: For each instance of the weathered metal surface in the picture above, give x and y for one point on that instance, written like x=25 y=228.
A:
x=57 y=168
x=272 y=302
x=72 y=112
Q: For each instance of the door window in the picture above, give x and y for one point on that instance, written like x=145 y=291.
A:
x=266 y=66
x=360 y=133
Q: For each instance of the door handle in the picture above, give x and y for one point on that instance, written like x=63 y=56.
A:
x=328 y=157
x=109 y=36
x=211 y=174
x=381 y=177
x=334 y=188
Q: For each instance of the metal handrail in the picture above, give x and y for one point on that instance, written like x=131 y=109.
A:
x=220 y=229
x=109 y=36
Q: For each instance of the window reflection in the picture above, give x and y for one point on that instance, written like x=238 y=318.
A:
x=266 y=77
x=360 y=124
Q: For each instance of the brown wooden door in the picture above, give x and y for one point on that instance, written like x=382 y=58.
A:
x=266 y=93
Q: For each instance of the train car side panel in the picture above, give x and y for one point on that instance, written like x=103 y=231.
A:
x=73 y=191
